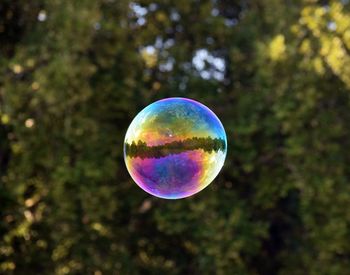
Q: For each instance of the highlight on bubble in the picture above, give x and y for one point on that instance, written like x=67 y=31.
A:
x=175 y=147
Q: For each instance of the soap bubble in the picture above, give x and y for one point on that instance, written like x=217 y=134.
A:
x=174 y=148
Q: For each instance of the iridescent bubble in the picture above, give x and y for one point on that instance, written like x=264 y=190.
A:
x=175 y=147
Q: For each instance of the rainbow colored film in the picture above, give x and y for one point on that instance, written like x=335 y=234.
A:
x=175 y=147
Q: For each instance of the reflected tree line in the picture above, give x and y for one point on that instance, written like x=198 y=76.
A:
x=142 y=150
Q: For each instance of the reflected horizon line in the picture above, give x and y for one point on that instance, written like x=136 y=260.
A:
x=142 y=150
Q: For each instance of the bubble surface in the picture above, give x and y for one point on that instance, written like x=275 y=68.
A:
x=175 y=147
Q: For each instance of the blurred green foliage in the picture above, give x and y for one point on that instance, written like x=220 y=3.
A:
x=73 y=74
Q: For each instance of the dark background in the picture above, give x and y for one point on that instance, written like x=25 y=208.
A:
x=73 y=74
